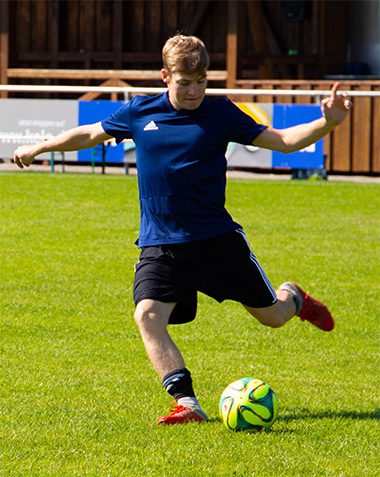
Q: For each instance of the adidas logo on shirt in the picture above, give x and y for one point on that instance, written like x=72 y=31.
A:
x=151 y=126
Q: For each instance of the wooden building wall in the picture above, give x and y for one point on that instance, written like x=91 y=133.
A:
x=129 y=34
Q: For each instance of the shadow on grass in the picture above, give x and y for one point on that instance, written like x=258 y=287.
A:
x=305 y=414
x=216 y=420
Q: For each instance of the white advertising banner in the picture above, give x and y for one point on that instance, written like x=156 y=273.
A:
x=28 y=121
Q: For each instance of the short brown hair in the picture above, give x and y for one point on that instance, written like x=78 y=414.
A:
x=187 y=54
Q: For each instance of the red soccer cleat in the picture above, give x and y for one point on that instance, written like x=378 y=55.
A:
x=311 y=310
x=182 y=415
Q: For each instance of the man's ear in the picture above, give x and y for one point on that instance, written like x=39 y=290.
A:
x=165 y=76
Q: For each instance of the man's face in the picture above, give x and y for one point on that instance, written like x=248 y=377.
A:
x=186 y=91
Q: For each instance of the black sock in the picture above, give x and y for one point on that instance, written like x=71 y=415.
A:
x=179 y=383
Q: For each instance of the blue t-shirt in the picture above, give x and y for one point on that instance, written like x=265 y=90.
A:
x=181 y=164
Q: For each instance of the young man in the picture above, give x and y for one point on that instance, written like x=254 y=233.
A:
x=188 y=240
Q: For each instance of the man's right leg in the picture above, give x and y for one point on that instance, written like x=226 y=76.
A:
x=152 y=318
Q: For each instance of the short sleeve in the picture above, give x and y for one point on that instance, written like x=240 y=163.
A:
x=242 y=128
x=118 y=124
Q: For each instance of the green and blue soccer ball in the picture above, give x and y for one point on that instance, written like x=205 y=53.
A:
x=248 y=404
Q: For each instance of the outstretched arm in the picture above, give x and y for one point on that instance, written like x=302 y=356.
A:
x=334 y=110
x=81 y=137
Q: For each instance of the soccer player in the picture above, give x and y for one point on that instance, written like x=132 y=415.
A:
x=189 y=243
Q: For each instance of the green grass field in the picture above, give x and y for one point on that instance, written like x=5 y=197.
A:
x=77 y=394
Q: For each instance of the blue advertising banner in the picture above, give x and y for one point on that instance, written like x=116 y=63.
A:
x=91 y=112
x=278 y=116
x=286 y=115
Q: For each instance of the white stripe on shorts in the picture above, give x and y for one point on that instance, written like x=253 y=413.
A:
x=255 y=261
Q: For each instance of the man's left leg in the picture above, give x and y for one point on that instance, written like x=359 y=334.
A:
x=277 y=314
x=291 y=301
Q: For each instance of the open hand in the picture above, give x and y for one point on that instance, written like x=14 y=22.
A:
x=336 y=106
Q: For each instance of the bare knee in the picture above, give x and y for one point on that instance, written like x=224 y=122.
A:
x=144 y=314
x=152 y=313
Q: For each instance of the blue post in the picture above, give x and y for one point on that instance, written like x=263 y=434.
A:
x=92 y=160
x=52 y=162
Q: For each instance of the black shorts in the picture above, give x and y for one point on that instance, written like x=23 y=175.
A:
x=223 y=268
